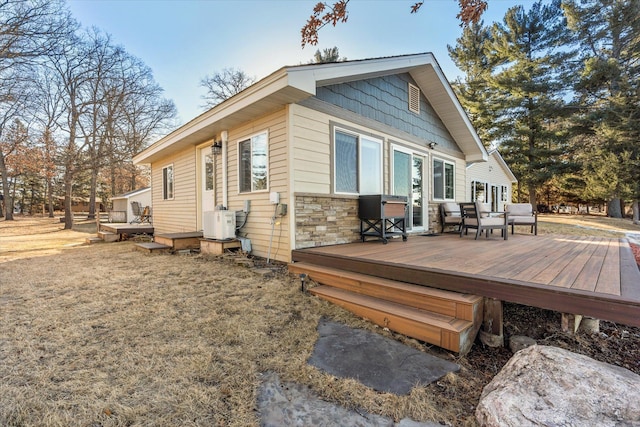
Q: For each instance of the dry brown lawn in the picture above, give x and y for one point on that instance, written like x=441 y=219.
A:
x=586 y=225
x=103 y=335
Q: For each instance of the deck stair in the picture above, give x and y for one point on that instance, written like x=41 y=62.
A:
x=447 y=319
x=179 y=241
x=108 y=236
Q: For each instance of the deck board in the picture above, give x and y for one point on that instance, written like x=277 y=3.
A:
x=568 y=276
x=588 y=277
x=580 y=275
x=610 y=269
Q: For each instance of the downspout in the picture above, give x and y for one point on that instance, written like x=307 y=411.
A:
x=225 y=196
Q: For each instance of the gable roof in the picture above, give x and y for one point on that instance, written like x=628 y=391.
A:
x=296 y=83
x=507 y=170
x=131 y=193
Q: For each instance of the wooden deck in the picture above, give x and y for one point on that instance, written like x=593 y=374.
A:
x=591 y=276
x=126 y=228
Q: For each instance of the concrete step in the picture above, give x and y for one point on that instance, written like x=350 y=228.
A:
x=444 y=331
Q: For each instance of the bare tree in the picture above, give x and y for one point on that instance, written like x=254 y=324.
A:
x=223 y=85
x=29 y=29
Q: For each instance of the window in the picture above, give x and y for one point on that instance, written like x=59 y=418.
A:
x=504 y=192
x=208 y=172
x=167 y=182
x=357 y=163
x=253 y=169
x=478 y=191
x=443 y=180
x=414 y=99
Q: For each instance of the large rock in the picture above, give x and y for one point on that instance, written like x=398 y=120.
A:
x=548 y=386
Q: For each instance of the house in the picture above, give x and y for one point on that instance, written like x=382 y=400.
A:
x=491 y=182
x=79 y=204
x=121 y=209
x=295 y=150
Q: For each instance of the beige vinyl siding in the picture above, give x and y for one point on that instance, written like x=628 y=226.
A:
x=490 y=172
x=258 y=227
x=461 y=180
x=178 y=214
x=311 y=151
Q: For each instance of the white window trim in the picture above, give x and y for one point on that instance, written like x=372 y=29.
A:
x=249 y=138
x=487 y=189
x=173 y=178
x=433 y=180
x=359 y=160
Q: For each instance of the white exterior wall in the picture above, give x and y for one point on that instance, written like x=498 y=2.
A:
x=492 y=173
x=123 y=204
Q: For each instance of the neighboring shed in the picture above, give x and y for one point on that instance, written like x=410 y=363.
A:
x=121 y=210
x=491 y=181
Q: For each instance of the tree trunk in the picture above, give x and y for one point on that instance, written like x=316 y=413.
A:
x=636 y=214
x=92 y=195
x=50 y=197
x=8 y=202
x=532 y=196
x=614 y=208
x=68 y=210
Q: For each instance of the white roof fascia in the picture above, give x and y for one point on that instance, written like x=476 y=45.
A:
x=341 y=72
x=131 y=193
x=262 y=89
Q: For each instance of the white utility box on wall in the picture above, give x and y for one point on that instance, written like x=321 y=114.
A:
x=219 y=225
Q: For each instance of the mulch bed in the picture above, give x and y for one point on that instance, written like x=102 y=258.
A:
x=636 y=252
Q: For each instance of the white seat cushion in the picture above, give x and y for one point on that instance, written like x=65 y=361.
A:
x=519 y=209
x=451 y=209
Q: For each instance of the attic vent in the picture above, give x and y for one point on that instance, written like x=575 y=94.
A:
x=414 y=99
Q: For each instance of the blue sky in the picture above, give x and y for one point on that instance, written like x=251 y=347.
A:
x=184 y=40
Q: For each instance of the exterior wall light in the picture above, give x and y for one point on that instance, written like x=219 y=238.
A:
x=216 y=148
x=432 y=145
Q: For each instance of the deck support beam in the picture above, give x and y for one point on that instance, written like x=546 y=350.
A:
x=492 y=332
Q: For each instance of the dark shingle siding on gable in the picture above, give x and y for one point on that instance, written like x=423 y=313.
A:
x=385 y=100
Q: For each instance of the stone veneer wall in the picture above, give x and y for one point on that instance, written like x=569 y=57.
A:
x=326 y=220
x=434 y=217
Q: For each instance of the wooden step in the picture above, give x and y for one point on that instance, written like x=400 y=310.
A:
x=93 y=239
x=152 y=247
x=444 y=331
x=108 y=236
x=180 y=241
x=453 y=304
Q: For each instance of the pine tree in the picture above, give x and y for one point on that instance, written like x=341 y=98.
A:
x=469 y=55
x=531 y=54
x=608 y=90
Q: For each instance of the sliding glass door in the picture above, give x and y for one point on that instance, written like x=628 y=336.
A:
x=408 y=180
